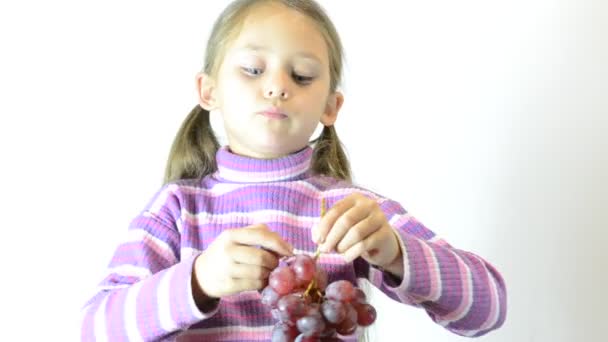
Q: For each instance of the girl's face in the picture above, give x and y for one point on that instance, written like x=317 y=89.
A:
x=273 y=85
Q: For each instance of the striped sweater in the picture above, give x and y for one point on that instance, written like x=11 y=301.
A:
x=146 y=294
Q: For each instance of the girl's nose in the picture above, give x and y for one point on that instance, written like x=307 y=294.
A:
x=276 y=93
x=277 y=88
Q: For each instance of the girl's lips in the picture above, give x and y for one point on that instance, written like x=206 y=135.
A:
x=273 y=113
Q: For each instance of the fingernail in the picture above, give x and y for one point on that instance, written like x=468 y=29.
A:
x=319 y=240
x=324 y=248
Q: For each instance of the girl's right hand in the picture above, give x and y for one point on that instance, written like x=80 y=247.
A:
x=234 y=262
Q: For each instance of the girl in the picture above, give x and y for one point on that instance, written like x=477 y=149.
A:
x=192 y=260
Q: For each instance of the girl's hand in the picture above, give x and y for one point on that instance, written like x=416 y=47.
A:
x=234 y=262
x=356 y=226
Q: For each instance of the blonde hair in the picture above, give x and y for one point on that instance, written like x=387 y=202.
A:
x=193 y=151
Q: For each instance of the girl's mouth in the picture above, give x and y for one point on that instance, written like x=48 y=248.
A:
x=274 y=113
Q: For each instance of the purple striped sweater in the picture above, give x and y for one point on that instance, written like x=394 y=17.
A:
x=146 y=294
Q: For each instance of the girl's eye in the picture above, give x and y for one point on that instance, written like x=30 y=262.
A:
x=302 y=79
x=252 y=71
x=298 y=78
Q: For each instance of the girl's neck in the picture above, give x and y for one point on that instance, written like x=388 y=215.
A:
x=234 y=167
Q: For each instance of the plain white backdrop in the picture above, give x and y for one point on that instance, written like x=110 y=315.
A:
x=487 y=120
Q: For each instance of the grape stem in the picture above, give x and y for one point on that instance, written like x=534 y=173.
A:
x=310 y=286
x=317 y=253
x=312 y=283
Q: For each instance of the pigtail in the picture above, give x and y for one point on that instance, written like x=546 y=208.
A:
x=328 y=155
x=194 y=148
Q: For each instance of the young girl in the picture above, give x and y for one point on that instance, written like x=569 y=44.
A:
x=200 y=251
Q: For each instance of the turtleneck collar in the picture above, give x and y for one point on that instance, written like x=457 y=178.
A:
x=243 y=169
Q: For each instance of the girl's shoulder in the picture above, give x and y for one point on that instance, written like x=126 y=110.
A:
x=177 y=193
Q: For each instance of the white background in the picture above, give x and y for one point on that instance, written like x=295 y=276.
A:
x=486 y=119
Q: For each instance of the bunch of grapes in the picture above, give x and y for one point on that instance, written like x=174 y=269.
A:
x=307 y=308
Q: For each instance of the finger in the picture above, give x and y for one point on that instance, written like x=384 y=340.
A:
x=361 y=231
x=243 y=284
x=319 y=232
x=348 y=220
x=249 y=255
x=371 y=242
x=246 y=271
x=373 y=248
x=355 y=251
x=260 y=235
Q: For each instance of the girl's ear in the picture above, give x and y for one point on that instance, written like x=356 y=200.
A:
x=205 y=86
x=334 y=103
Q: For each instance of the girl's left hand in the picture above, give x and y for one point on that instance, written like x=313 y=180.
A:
x=356 y=226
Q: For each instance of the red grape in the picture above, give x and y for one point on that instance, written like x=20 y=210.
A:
x=349 y=324
x=304 y=338
x=276 y=314
x=321 y=279
x=304 y=269
x=311 y=325
x=291 y=307
x=313 y=307
x=366 y=314
x=329 y=331
x=282 y=280
x=283 y=333
x=360 y=296
x=333 y=311
x=270 y=297
x=341 y=290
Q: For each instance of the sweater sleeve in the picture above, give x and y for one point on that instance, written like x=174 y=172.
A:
x=147 y=292
x=458 y=289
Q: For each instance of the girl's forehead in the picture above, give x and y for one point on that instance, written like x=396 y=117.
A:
x=276 y=28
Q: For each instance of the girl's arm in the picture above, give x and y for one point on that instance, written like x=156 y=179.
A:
x=458 y=289
x=147 y=293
